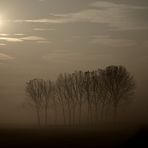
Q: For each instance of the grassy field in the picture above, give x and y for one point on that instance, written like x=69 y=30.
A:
x=72 y=137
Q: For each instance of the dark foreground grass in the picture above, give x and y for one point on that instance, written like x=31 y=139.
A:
x=72 y=137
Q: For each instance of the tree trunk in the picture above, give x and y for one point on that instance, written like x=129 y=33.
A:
x=89 y=116
x=96 y=113
x=38 y=116
x=73 y=114
x=55 y=111
x=64 y=118
x=115 y=111
x=69 y=113
x=88 y=113
x=46 y=114
x=80 y=112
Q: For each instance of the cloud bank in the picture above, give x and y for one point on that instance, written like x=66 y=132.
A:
x=113 y=14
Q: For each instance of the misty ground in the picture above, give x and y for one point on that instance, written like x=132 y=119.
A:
x=59 y=136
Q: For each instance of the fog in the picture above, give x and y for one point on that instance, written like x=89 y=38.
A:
x=67 y=36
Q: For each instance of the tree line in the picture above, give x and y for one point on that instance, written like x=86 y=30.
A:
x=81 y=97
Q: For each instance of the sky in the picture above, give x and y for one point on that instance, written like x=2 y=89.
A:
x=42 y=38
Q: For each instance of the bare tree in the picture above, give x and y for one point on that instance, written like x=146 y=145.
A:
x=88 y=94
x=35 y=93
x=55 y=102
x=72 y=94
x=67 y=92
x=40 y=92
x=48 y=94
x=102 y=92
x=60 y=95
x=119 y=84
x=78 y=88
x=97 y=89
x=69 y=97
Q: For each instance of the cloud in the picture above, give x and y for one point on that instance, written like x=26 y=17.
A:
x=117 y=16
x=33 y=38
x=9 y=39
x=5 y=57
x=46 y=20
x=112 y=42
x=44 y=29
x=19 y=34
x=103 y=4
x=4 y=34
x=22 y=39
x=16 y=34
x=2 y=44
x=44 y=42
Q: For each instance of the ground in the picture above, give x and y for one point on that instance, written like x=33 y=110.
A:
x=72 y=137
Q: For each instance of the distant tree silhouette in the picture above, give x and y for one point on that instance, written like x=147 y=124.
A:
x=98 y=92
x=35 y=92
x=119 y=84
x=70 y=98
x=55 y=102
x=88 y=95
x=61 y=95
x=40 y=92
x=78 y=88
x=48 y=94
x=73 y=94
x=95 y=91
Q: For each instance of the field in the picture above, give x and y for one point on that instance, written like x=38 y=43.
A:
x=72 y=137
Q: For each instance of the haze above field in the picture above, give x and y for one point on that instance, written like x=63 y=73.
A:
x=42 y=38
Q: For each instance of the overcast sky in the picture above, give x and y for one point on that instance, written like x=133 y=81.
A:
x=42 y=38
